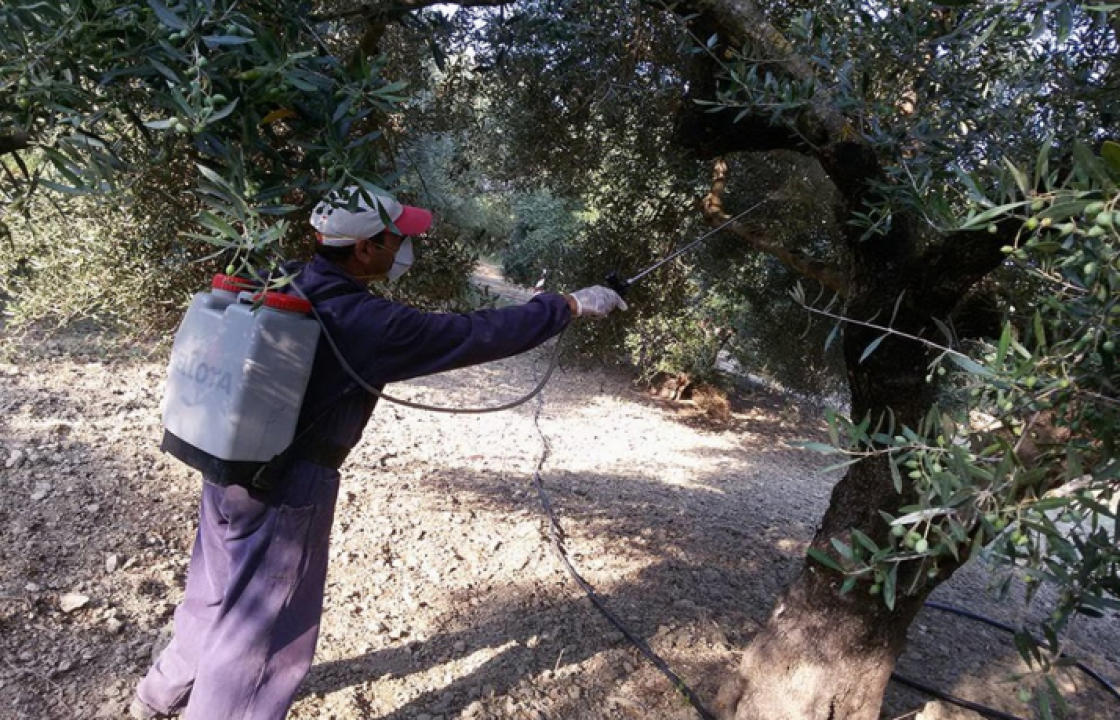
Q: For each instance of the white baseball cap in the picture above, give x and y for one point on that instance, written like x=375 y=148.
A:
x=338 y=225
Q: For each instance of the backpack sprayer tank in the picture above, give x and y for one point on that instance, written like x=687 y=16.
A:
x=237 y=377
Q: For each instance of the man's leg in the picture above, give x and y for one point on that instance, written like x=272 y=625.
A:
x=261 y=646
x=168 y=683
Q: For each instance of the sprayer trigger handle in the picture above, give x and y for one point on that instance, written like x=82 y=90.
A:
x=614 y=282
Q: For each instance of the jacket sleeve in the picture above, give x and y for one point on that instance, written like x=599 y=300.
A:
x=389 y=342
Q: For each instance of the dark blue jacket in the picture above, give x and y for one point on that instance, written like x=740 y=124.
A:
x=387 y=342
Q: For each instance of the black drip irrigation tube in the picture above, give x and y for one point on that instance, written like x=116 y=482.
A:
x=556 y=534
x=1100 y=679
x=1109 y=687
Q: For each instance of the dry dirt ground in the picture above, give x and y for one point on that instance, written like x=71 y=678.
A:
x=444 y=600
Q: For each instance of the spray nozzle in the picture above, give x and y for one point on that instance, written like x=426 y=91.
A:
x=614 y=282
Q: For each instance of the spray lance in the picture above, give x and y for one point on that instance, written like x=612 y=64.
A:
x=613 y=280
x=237 y=377
x=621 y=286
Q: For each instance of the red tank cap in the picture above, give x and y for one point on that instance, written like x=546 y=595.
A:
x=282 y=301
x=230 y=283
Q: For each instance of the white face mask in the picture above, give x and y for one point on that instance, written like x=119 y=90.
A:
x=402 y=261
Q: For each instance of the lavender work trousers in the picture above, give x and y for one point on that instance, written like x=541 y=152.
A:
x=246 y=629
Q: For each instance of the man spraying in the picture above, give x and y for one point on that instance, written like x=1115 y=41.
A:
x=245 y=632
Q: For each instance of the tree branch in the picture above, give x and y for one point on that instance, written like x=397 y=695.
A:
x=948 y=269
x=829 y=275
x=710 y=134
x=819 y=128
x=394 y=10
x=743 y=19
x=16 y=140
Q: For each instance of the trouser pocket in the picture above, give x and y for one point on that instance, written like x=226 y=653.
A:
x=286 y=557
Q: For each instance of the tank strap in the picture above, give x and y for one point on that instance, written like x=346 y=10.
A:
x=327 y=454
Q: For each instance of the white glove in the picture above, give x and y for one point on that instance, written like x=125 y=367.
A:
x=597 y=301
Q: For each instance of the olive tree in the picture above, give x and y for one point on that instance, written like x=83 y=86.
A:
x=926 y=118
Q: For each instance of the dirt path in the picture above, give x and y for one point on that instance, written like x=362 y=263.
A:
x=443 y=599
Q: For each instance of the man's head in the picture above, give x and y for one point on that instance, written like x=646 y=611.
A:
x=368 y=235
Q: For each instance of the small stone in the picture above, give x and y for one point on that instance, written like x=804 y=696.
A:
x=113 y=625
x=423 y=716
x=93 y=509
x=64 y=666
x=41 y=491
x=532 y=642
x=112 y=562
x=937 y=710
x=14 y=459
x=73 y=601
x=31 y=587
x=460 y=646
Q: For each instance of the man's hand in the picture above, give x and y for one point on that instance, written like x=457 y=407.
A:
x=595 y=301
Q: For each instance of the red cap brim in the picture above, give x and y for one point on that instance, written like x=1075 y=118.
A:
x=413 y=220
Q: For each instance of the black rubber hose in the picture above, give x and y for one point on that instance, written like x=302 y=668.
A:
x=1007 y=628
x=975 y=707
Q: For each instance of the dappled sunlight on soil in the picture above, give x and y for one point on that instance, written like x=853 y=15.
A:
x=444 y=599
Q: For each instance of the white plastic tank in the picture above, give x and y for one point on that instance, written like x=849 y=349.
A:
x=239 y=368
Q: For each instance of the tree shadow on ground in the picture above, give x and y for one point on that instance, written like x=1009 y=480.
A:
x=716 y=557
x=92 y=486
x=715 y=573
